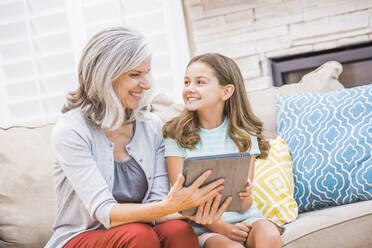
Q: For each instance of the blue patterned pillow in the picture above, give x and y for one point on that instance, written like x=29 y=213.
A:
x=330 y=140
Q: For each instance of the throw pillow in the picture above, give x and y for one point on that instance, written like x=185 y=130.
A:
x=322 y=79
x=330 y=139
x=273 y=184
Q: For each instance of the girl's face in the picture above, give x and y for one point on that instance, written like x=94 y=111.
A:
x=129 y=86
x=202 y=90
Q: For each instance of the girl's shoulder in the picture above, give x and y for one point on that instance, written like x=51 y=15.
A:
x=255 y=149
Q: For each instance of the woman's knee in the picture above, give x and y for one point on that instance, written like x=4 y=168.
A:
x=176 y=227
x=179 y=226
x=177 y=233
x=139 y=235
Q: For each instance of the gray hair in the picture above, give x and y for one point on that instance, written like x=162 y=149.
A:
x=107 y=55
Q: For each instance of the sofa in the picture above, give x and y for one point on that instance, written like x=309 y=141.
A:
x=28 y=201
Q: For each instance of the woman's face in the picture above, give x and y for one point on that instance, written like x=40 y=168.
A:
x=130 y=86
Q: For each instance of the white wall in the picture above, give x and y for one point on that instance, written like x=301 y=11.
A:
x=41 y=42
x=255 y=31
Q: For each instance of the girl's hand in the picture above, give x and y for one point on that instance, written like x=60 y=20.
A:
x=208 y=212
x=248 y=191
x=246 y=196
x=238 y=232
x=180 y=198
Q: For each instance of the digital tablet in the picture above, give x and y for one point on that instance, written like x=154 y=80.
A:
x=233 y=167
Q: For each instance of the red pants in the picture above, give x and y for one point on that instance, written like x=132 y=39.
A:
x=174 y=233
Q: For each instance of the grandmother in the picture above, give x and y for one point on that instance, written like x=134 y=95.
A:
x=108 y=156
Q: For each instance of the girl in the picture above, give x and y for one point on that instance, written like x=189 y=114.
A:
x=218 y=120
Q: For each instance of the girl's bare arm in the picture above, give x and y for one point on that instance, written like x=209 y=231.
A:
x=248 y=201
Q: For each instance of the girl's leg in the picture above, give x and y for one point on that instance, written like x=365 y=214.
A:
x=176 y=233
x=126 y=236
x=264 y=234
x=221 y=241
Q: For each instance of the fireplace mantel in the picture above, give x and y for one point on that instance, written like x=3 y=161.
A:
x=356 y=61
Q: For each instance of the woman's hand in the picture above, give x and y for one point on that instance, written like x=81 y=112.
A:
x=180 y=198
x=208 y=212
x=246 y=196
x=238 y=232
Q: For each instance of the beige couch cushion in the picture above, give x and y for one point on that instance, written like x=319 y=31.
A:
x=342 y=226
x=27 y=198
x=165 y=108
x=322 y=79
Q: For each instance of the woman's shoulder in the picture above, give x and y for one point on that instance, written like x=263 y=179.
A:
x=72 y=118
x=152 y=117
x=71 y=122
x=151 y=121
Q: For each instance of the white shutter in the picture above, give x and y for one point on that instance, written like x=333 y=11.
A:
x=41 y=42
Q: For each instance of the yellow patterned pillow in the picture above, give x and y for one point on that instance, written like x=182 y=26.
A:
x=273 y=184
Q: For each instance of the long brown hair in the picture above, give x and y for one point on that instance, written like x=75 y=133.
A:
x=242 y=121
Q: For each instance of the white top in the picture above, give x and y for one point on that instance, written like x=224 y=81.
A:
x=83 y=172
x=212 y=142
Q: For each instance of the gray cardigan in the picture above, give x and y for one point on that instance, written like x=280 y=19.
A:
x=83 y=172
